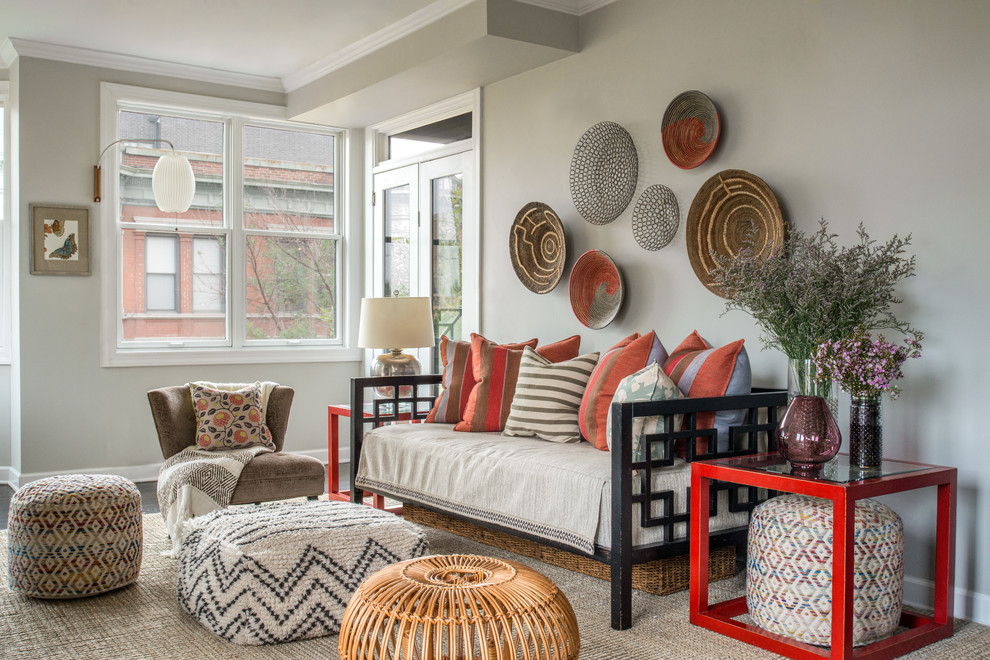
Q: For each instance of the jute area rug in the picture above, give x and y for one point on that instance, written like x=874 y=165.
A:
x=144 y=620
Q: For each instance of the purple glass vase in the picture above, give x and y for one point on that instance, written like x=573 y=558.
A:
x=808 y=436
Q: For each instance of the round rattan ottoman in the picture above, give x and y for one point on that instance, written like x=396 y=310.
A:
x=74 y=536
x=789 y=569
x=458 y=606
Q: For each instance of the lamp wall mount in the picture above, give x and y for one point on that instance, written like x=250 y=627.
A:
x=97 y=182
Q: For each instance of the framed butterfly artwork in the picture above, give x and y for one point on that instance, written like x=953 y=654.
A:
x=59 y=240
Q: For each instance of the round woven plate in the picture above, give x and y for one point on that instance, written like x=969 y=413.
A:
x=604 y=170
x=655 y=218
x=727 y=210
x=596 y=289
x=537 y=247
x=690 y=129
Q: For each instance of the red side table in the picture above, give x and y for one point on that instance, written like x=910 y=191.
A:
x=843 y=485
x=334 y=413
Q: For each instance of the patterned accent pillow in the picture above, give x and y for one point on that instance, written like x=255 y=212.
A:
x=625 y=358
x=648 y=384
x=230 y=420
x=458 y=379
x=548 y=397
x=703 y=371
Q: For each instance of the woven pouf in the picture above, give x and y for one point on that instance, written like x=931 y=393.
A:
x=282 y=571
x=789 y=570
x=459 y=606
x=74 y=536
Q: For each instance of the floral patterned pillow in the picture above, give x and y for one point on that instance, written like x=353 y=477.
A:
x=230 y=420
x=648 y=384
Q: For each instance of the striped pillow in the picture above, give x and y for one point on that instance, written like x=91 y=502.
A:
x=702 y=371
x=625 y=358
x=548 y=397
x=458 y=379
x=496 y=369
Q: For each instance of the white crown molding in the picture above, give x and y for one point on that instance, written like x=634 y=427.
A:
x=367 y=45
x=7 y=53
x=136 y=64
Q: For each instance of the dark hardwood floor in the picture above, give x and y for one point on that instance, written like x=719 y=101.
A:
x=149 y=495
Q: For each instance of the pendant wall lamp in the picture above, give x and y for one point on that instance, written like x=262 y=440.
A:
x=172 y=181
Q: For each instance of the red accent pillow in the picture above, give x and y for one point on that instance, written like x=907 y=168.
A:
x=458 y=379
x=703 y=371
x=496 y=370
x=624 y=359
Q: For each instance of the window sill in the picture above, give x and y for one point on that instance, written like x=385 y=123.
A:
x=259 y=355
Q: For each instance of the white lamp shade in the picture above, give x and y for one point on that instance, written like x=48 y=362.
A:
x=395 y=323
x=173 y=183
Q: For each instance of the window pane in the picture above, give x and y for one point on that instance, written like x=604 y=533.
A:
x=291 y=288
x=208 y=291
x=446 y=202
x=161 y=292
x=199 y=140
x=397 y=241
x=288 y=180
x=159 y=289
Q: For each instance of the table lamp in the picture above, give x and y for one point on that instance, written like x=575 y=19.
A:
x=395 y=323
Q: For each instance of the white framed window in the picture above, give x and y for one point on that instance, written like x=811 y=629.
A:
x=425 y=213
x=252 y=271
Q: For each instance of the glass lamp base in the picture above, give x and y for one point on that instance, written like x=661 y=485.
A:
x=395 y=363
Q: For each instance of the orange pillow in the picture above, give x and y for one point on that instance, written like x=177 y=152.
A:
x=624 y=359
x=458 y=379
x=496 y=370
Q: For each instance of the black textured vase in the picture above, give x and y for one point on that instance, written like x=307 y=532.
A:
x=865 y=431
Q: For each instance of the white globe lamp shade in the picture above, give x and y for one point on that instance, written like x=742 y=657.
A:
x=173 y=183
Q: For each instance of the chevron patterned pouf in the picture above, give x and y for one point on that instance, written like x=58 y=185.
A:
x=75 y=535
x=789 y=569
x=283 y=571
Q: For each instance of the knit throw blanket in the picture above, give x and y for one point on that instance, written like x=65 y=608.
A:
x=194 y=482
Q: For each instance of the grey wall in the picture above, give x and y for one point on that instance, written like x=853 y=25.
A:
x=76 y=415
x=853 y=111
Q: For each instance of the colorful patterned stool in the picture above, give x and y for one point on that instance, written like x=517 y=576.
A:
x=789 y=570
x=74 y=536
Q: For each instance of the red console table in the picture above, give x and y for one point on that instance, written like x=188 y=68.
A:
x=843 y=485
x=334 y=413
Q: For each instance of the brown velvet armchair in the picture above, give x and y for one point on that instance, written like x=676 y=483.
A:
x=274 y=476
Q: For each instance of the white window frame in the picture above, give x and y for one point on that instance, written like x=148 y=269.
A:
x=376 y=153
x=6 y=252
x=235 y=349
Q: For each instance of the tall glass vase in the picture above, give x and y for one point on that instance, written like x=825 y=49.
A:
x=801 y=381
x=865 y=431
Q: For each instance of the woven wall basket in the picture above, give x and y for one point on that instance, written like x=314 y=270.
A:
x=655 y=218
x=690 y=129
x=730 y=210
x=604 y=170
x=537 y=247
x=595 y=288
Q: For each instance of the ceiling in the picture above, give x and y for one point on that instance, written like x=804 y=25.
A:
x=280 y=41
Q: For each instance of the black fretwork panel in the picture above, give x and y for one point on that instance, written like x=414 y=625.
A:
x=755 y=434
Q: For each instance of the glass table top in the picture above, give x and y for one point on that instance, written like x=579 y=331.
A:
x=837 y=470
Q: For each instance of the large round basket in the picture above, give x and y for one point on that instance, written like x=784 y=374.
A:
x=604 y=170
x=537 y=247
x=595 y=288
x=458 y=606
x=690 y=129
x=733 y=210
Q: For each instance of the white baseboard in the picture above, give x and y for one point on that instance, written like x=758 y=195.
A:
x=970 y=605
x=135 y=473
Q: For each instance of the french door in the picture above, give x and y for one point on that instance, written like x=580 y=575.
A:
x=420 y=220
